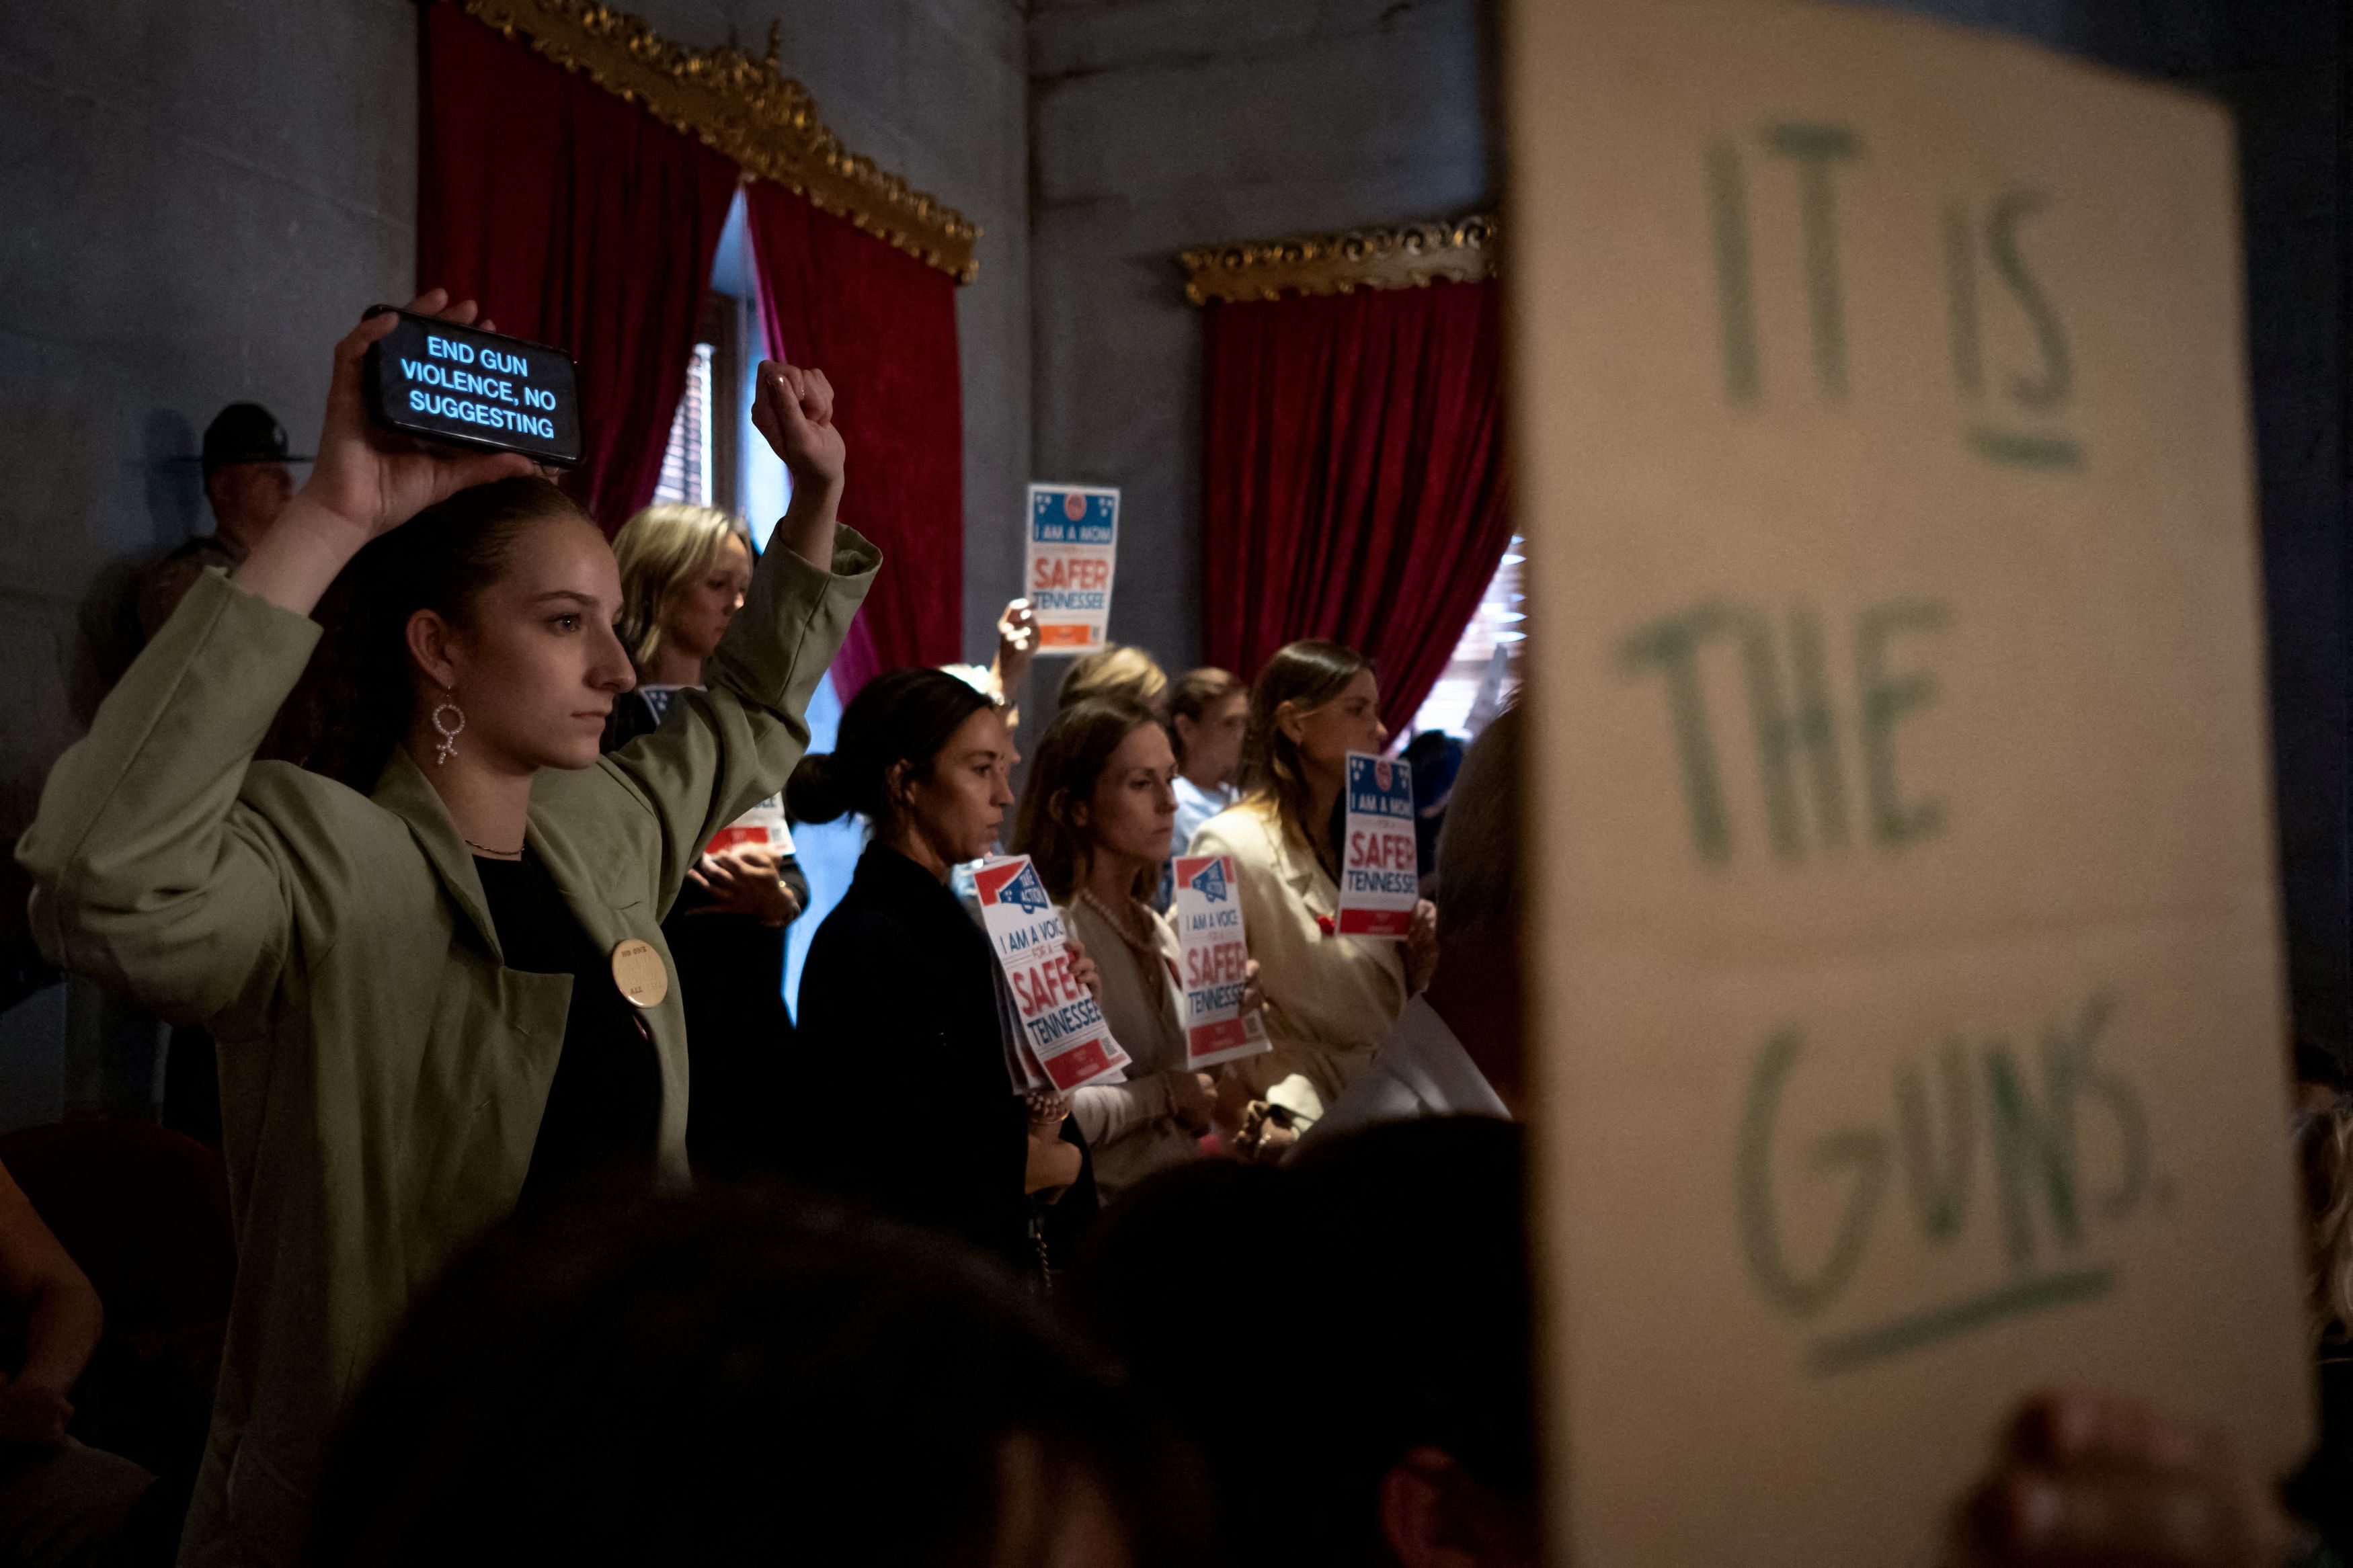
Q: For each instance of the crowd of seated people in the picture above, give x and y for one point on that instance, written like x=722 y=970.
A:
x=463 y=835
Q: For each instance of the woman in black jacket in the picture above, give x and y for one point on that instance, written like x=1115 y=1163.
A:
x=906 y=1041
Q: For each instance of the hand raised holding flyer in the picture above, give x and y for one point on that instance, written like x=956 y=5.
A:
x=1217 y=963
x=1380 y=865
x=1064 y=1037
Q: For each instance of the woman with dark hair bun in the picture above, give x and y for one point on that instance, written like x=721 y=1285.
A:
x=433 y=960
x=903 y=1007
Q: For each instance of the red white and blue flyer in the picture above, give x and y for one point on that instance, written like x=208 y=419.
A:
x=1064 y=1029
x=763 y=825
x=1073 y=548
x=1380 y=869
x=1215 y=964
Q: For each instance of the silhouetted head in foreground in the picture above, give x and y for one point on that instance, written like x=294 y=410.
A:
x=1385 y=1275
x=745 y=1377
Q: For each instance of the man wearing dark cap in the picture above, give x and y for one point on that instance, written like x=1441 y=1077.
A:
x=247 y=483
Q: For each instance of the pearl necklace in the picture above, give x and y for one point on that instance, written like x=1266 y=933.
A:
x=1119 y=924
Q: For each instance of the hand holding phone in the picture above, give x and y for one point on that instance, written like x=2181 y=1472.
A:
x=365 y=480
x=443 y=381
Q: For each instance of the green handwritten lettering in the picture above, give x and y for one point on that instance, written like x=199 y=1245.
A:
x=1736 y=277
x=1816 y=149
x=2028 y=1141
x=1863 y=1150
x=2051 y=389
x=1939 y=1187
x=1887 y=700
x=1672 y=646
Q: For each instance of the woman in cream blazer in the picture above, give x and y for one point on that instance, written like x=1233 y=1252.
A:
x=1330 y=999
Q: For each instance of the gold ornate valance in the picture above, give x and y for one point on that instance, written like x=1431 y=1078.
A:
x=1403 y=257
x=744 y=108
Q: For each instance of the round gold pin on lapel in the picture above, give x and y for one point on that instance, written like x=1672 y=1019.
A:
x=639 y=972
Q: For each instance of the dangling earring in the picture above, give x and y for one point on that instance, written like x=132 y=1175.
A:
x=450 y=728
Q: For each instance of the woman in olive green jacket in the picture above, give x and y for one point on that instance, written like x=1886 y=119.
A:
x=384 y=1071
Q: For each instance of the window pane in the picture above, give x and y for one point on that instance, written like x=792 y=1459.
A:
x=686 y=461
x=1484 y=672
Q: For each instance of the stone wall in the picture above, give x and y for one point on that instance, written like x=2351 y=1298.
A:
x=1160 y=124
x=200 y=200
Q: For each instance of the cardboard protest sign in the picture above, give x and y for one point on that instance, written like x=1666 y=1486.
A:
x=763 y=825
x=1906 y=958
x=1380 y=867
x=1073 y=548
x=1066 y=1032
x=1216 y=958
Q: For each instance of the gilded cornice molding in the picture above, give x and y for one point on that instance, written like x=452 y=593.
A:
x=1405 y=256
x=744 y=108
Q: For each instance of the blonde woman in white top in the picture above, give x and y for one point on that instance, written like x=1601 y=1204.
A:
x=1330 y=999
x=1095 y=819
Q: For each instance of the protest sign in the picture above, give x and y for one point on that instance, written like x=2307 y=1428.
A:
x=1905 y=949
x=763 y=825
x=1380 y=870
x=1073 y=547
x=1064 y=1028
x=1216 y=958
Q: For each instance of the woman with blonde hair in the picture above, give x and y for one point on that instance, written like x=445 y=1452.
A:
x=1094 y=819
x=1115 y=669
x=684 y=571
x=1330 y=999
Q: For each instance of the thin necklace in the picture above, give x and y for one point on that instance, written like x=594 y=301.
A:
x=514 y=854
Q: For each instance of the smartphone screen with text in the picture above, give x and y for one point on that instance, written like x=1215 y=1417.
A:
x=440 y=381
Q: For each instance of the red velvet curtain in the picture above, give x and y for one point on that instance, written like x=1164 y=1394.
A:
x=1352 y=477
x=578 y=220
x=881 y=325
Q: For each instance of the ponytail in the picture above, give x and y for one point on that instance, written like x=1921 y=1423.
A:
x=899 y=716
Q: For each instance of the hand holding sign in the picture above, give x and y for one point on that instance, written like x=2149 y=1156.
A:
x=2086 y=1478
x=1016 y=644
x=1421 y=946
x=745 y=879
x=1084 y=970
